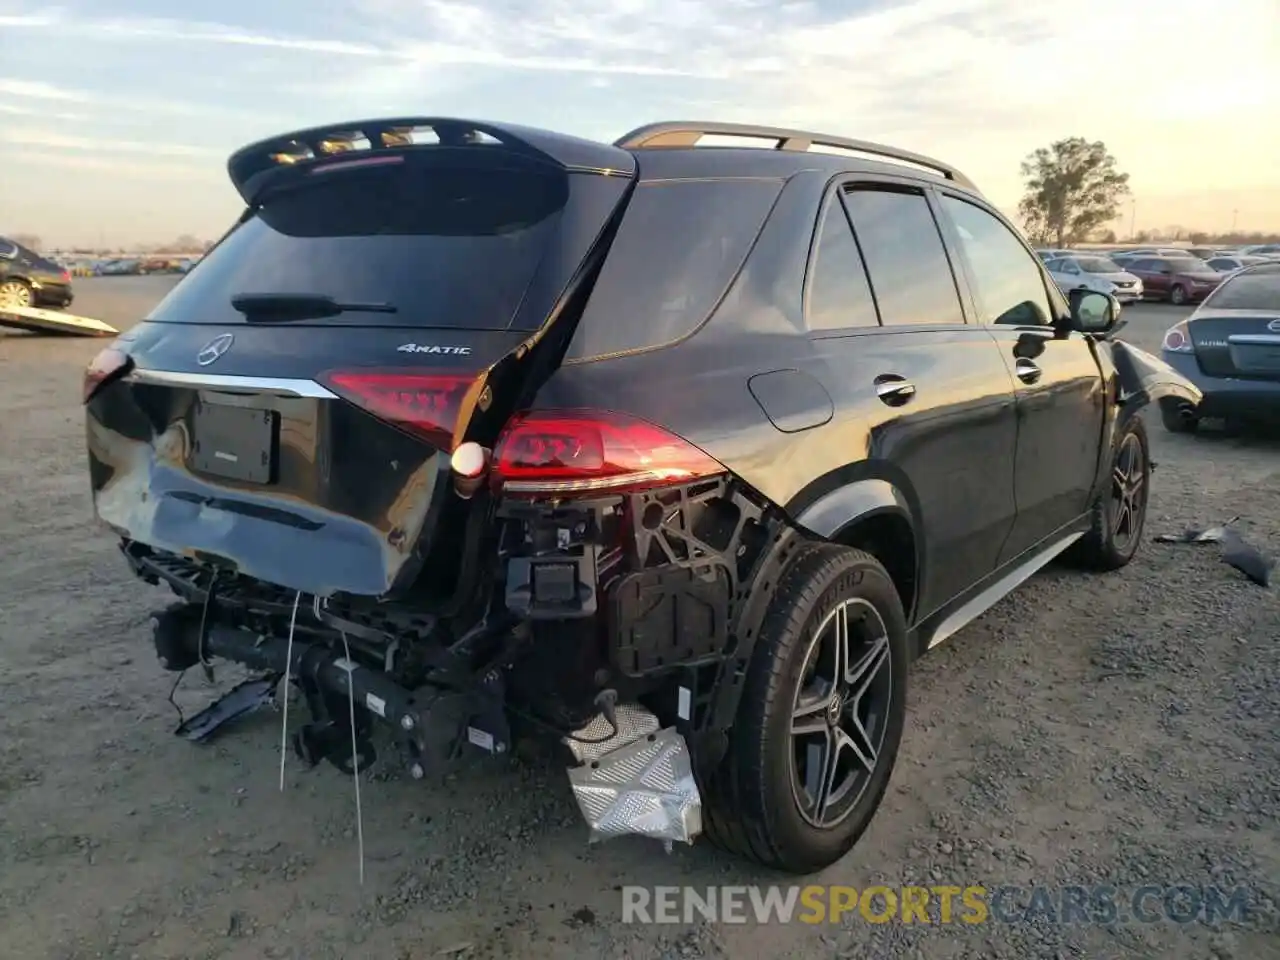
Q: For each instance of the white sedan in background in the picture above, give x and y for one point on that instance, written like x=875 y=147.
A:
x=1084 y=272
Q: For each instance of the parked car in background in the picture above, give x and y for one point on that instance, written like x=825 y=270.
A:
x=119 y=268
x=1230 y=263
x=1052 y=254
x=29 y=280
x=1263 y=250
x=1087 y=272
x=1207 y=253
x=1179 y=279
x=1230 y=348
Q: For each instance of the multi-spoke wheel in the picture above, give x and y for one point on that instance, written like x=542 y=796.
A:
x=821 y=715
x=1120 y=512
x=15 y=293
x=841 y=712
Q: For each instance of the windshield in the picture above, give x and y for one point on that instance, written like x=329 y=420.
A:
x=1098 y=265
x=1249 y=291
x=1188 y=265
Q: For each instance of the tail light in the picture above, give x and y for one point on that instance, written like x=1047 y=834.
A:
x=1177 y=339
x=66 y=276
x=110 y=364
x=568 y=452
x=424 y=404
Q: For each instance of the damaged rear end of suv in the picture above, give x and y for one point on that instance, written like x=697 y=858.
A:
x=333 y=442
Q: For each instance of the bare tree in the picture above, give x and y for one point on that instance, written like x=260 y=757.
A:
x=1072 y=188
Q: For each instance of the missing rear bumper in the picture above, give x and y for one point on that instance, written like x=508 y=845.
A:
x=638 y=782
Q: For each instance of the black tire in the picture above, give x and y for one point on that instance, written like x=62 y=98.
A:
x=1175 y=421
x=1178 y=295
x=754 y=805
x=1109 y=544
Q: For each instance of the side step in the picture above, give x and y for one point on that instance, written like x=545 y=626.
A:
x=637 y=781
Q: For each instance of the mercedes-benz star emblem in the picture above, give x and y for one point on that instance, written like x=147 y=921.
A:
x=215 y=348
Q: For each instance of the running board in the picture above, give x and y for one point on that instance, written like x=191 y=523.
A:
x=988 y=598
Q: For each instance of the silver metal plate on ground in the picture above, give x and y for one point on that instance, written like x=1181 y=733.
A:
x=645 y=788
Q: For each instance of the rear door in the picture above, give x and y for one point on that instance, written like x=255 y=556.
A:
x=936 y=396
x=306 y=441
x=1154 y=274
x=1060 y=397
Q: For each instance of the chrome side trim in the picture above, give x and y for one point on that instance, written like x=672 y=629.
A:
x=989 y=597
x=217 y=381
x=1254 y=339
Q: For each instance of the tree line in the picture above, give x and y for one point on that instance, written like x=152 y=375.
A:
x=1074 y=188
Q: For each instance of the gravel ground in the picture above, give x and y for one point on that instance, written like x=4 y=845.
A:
x=1117 y=729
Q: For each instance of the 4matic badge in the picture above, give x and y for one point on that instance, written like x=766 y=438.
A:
x=433 y=348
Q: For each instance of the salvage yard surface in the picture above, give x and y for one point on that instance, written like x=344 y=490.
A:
x=1120 y=729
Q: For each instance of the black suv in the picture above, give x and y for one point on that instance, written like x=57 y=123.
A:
x=677 y=454
x=29 y=280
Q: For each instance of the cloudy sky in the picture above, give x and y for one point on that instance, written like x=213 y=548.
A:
x=116 y=117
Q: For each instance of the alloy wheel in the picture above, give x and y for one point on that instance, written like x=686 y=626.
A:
x=14 y=294
x=1128 y=492
x=840 y=712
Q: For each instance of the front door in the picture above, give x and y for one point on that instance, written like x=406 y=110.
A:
x=1057 y=380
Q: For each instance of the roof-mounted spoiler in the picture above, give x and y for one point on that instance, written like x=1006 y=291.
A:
x=254 y=167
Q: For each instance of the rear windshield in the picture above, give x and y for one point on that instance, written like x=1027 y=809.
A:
x=447 y=245
x=1249 y=291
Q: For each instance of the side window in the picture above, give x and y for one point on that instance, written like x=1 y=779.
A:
x=1009 y=287
x=1070 y=266
x=910 y=273
x=839 y=294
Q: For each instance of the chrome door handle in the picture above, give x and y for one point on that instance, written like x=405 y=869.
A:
x=894 y=390
x=1026 y=371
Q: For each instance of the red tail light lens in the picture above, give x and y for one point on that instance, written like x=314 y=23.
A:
x=1177 y=339
x=108 y=365
x=66 y=276
x=571 y=452
x=425 y=404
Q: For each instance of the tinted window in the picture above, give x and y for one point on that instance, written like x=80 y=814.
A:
x=680 y=245
x=1009 y=284
x=908 y=264
x=1258 y=290
x=1055 y=266
x=1145 y=266
x=448 y=246
x=839 y=295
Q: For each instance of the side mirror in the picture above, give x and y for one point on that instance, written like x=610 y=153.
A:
x=1093 y=312
x=8 y=253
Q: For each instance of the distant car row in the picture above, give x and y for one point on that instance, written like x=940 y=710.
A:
x=1178 y=275
x=130 y=266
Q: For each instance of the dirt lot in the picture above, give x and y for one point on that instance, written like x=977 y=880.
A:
x=1120 y=729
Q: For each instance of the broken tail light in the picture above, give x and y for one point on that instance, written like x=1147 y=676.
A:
x=427 y=405
x=563 y=453
x=109 y=365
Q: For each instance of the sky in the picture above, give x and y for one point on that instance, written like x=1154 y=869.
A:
x=117 y=116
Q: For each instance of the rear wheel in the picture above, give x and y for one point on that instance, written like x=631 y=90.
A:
x=1120 y=512
x=821 y=718
x=15 y=293
x=1178 y=295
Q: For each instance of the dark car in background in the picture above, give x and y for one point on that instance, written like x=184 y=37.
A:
x=30 y=280
x=1177 y=279
x=1230 y=348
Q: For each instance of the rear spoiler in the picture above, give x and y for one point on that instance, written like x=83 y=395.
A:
x=254 y=167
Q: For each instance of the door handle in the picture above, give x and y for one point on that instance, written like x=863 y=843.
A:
x=1026 y=371
x=894 y=390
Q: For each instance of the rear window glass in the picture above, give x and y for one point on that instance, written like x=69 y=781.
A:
x=1249 y=291
x=680 y=245
x=448 y=246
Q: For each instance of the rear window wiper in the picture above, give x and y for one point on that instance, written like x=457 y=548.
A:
x=299 y=306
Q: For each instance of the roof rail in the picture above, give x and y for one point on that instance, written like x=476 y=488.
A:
x=687 y=133
x=254 y=166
